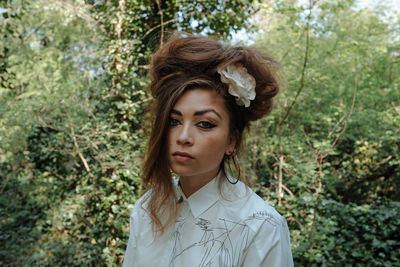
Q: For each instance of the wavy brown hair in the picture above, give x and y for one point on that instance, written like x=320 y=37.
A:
x=187 y=62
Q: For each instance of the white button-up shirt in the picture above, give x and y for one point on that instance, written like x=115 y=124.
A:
x=226 y=226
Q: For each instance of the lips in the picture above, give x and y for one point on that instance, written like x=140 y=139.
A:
x=182 y=156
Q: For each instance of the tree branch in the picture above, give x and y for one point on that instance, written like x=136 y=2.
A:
x=280 y=178
x=287 y=190
x=118 y=34
x=395 y=108
x=158 y=26
x=162 y=22
x=315 y=209
x=78 y=149
x=305 y=61
x=140 y=102
x=336 y=125
x=349 y=114
x=307 y=139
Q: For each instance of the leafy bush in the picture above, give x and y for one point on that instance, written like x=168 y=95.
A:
x=353 y=235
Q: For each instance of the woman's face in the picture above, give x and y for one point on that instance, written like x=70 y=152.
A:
x=198 y=135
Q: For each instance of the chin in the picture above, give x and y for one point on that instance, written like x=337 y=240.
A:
x=181 y=172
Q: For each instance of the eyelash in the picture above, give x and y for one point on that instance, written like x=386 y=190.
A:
x=202 y=124
x=206 y=125
x=173 y=122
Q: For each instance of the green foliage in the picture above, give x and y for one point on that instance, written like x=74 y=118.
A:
x=73 y=107
x=72 y=132
x=354 y=235
x=338 y=148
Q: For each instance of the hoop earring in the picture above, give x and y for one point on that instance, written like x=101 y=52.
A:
x=237 y=167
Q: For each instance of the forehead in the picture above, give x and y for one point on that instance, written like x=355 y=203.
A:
x=200 y=99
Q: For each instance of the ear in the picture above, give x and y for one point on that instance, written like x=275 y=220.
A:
x=231 y=145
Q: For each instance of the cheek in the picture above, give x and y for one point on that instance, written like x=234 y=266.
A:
x=169 y=140
x=216 y=146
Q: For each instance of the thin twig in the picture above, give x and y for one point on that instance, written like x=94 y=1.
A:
x=349 y=114
x=299 y=223
x=140 y=102
x=307 y=138
x=162 y=22
x=43 y=124
x=384 y=160
x=280 y=174
x=315 y=210
x=288 y=171
x=121 y=11
x=305 y=61
x=158 y=26
x=118 y=32
x=78 y=150
x=280 y=178
x=336 y=125
x=5 y=182
x=395 y=108
x=145 y=67
x=287 y=190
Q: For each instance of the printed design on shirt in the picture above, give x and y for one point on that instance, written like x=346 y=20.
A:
x=265 y=215
x=223 y=244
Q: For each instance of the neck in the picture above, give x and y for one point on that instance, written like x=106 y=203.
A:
x=191 y=184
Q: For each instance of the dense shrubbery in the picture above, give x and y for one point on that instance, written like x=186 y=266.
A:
x=354 y=235
x=73 y=126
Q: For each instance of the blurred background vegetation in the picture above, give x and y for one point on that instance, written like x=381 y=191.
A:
x=73 y=110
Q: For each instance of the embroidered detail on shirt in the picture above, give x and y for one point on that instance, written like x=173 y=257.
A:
x=265 y=215
x=218 y=245
x=203 y=224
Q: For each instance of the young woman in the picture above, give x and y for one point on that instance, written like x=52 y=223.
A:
x=205 y=97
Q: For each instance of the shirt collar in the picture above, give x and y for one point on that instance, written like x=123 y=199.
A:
x=202 y=199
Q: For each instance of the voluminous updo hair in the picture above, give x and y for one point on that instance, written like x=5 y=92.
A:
x=188 y=62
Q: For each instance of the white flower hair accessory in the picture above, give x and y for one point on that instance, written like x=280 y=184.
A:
x=241 y=84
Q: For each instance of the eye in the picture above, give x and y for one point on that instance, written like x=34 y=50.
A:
x=205 y=125
x=173 y=122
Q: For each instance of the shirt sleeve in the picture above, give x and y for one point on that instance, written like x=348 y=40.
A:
x=131 y=250
x=270 y=246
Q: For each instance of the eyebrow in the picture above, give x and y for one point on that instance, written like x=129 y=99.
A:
x=198 y=113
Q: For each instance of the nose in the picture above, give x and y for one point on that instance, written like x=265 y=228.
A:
x=185 y=136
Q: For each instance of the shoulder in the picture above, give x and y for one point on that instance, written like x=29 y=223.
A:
x=248 y=207
x=264 y=216
x=270 y=233
x=259 y=208
x=139 y=209
x=268 y=229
